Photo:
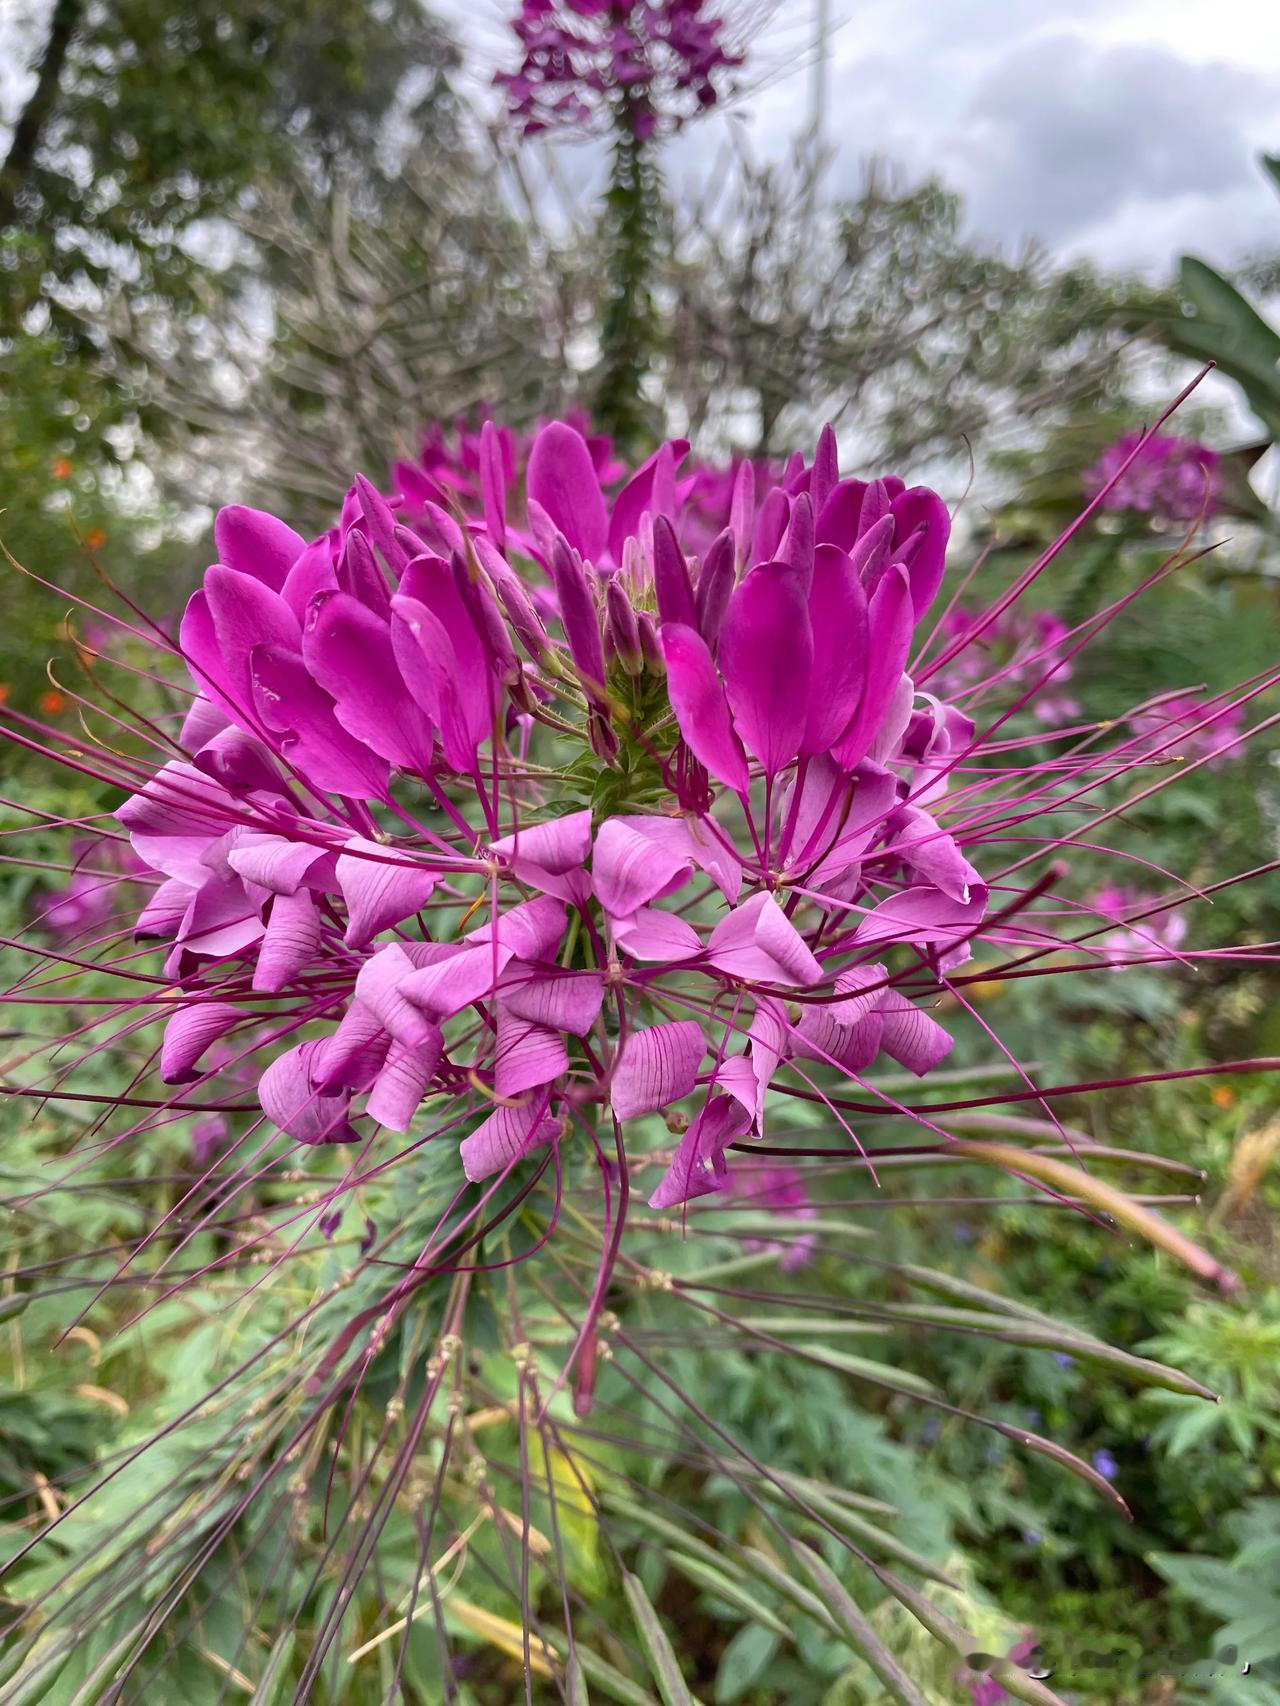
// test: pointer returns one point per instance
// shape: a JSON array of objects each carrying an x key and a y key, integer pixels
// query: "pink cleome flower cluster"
[
  {"x": 589, "y": 63},
  {"x": 544, "y": 817},
  {"x": 1022, "y": 651},
  {"x": 1170, "y": 478}
]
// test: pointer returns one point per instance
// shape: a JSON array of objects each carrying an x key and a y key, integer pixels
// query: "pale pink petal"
[
  {"x": 698, "y": 1167},
  {"x": 565, "y": 1000},
  {"x": 506, "y": 1136},
  {"x": 379, "y": 888},
  {"x": 189, "y": 1033},
  {"x": 658, "y": 1066},
  {"x": 653, "y": 935},
  {"x": 758, "y": 941},
  {"x": 289, "y": 943},
  {"x": 403, "y": 1082},
  {"x": 303, "y": 1113},
  {"x": 527, "y": 1055}
]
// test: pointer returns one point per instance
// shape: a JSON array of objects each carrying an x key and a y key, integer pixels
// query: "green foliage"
[{"x": 1215, "y": 322}]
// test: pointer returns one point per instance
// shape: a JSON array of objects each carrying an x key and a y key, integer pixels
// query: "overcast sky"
[{"x": 1123, "y": 129}]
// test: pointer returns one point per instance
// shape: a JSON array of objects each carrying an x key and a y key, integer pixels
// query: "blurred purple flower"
[{"x": 1171, "y": 478}]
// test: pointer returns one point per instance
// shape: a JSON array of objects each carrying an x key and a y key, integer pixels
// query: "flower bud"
[
  {"x": 622, "y": 629},
  {"x": 715, "y": 585}
]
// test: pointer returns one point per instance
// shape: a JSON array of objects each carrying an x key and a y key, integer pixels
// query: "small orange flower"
[
  {"x": 4, "y": 691},
  {"x": 61, "y": 469},
  {"x": 95, "y": 539},
  {"x": 52, "y": 703},
  {"x": 1222, "y": 1096}
]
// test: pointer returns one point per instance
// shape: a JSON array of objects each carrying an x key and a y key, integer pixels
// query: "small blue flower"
[{"x": 1106, "y": 1464}]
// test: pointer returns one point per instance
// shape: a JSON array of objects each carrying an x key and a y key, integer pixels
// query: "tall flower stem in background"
[
  {"x": 629, "y": 329},
  {"x": 633, "y": 71}
]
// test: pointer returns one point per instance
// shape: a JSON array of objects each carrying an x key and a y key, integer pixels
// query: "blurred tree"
[
  {"x": 879, "y": 312},
  {"x": 198, "y": 208}
]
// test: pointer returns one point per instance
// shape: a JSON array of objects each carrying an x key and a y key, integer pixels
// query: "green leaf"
[
  {"x": 744, "y": 1661},
  {"x": 1011, "y": 1677},
  {"x": 722, "y": 1586},
  {"x": 859, "y": 1633},
  {"x": 661, "y": 1655}
]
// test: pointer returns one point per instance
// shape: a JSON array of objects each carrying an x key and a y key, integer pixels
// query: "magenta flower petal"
[
  {"x": 551, "y": 856},
  {"x": 838, "y": 615},
  {"x": 380, "y": 520},
  {"x": 493, "y": 484},
  {"x": 671, "y": 583},
  {"x": 771, "y": 524},
  {"x": 289, "y": 942},
  {"x": 189, "y": 1033},
  {"x": 758, "y": 941},
  {"x": 506, "y": 1136},
  {"x": 578, "y": 615},
  {"x": 402, "y": 1082},
  {"x": 162, "y": 916},
  {"x": 742, "y": 508},
  {"x": 256, "y": 544},
  {"x": 766, "y": 659},
  {"x": 528, "y": 1055},
  {"x": 379, "y": 889},
  {"x": 650, "y": 934},
  {"x": 658, "y": 1065},
  {"x": 312, "y": 738},
  {"x": 429, "y": 668},
  {"x": 915, "y": 509},
  {"x": 245, "y": 614},
  {"x": 715, "y": 587},
  {"x": 698, "y": 1167},
  {"x": 203, "y": 722},
  {"x": 701, "y": 710},
  {"x": 863, "y": 986},
  {"x": 531, "y": 931},
  {"x": 798, "y": 545},
  {"x": 348, "y": 650},
  {"x": 239, "y": 762},
  {"x": 646, "y": 492},
  {"x": 359, "y": 576},
  {"x": 826, "y": 469},
  {"x": 562, "y": 479},
  {"x": 890, "y": 620},
  {"x": 289, "y": 1101},
  {"x": 839, "y": 517},
  {"x": 820, "y": 1036},
  {"x": 313, "y": 573}
]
